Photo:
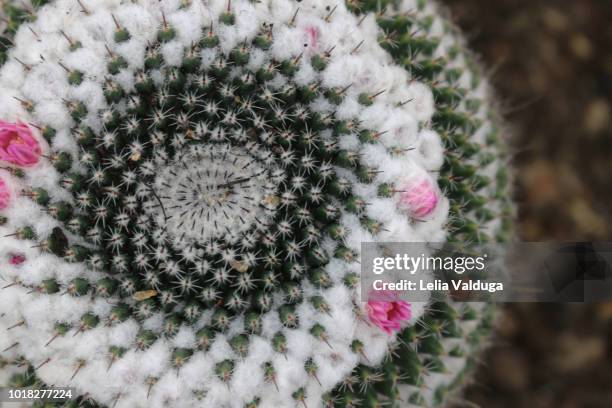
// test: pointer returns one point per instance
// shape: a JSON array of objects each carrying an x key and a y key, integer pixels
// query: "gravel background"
[{"x": 551, "y": 63}]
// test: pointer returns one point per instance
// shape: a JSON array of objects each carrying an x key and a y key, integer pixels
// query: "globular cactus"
[{"x": 186, "y": 185}]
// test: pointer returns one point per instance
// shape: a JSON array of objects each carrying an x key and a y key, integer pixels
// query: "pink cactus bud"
[
  {"x": 419, "y": 197},
  {"x": 17, "y": 259},
  {"x": 311, "y": 35},
  {"x": 18, "y": 145},
  {"x": 387, "y": 312},
  {"x": 5, "y": 195}
]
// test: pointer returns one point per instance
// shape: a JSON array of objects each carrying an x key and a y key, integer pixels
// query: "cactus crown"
[{"x": 215, "y": 186}]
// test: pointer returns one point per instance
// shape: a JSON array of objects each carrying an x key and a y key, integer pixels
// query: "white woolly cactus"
[{"x": 186, "y": 185}]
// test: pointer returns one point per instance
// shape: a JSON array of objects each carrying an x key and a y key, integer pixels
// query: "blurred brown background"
[{"x": 551, "y": 64}]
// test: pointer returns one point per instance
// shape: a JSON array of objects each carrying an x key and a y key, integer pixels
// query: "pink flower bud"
[
  {"x": 17, "y": 259},
  {"x": 311, "y": 35},
  {"x": 17, "y": 144},
  {"x": 419, "y": 197},
  {"x": 387, "y": 312},
  {"x": 5, "y": 195}
]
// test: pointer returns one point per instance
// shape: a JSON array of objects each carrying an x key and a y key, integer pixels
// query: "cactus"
[{"x": 187, "y": 185}]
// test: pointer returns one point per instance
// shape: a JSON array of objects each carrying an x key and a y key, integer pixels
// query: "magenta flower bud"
[
  {"x": 419, "y": 197},
  {"x": 18, "y": 145},
  {"x": 17, "y": 259},
  {"x": 387, "y": 312},
  {"x": 5, "y": 195}
]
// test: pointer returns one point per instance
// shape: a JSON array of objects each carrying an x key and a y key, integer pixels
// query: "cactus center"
[{"x": 213, "y": 191}]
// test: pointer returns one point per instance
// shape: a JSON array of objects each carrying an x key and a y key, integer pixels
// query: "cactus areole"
[{"x": 185, "y": 186}]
